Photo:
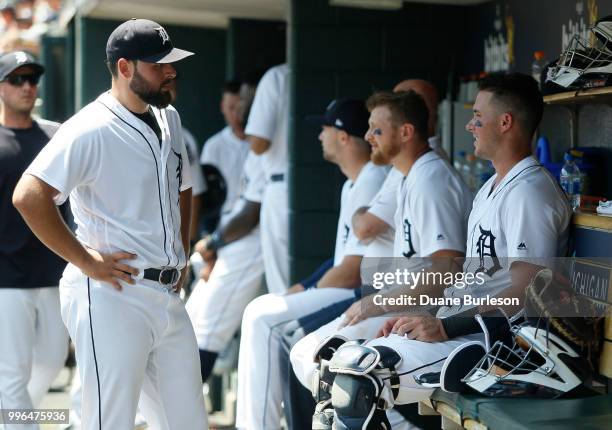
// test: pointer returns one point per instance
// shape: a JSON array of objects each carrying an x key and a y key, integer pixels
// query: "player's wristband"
[
  {"x": 215, "y": 241},
  {"x": 461, "y": 325},
  {"x": 311, "y": 281}
]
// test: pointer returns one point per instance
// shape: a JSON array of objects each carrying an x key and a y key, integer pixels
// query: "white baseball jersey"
[
  {"x": 123, "y": 185},
  {"x": 384, "y": 206},
  {"x": 227, "y": 153},
  {"x": 433, "y": 208},
  {"x": 356, "y": 195},
  {"x": 216, "y": 306},
  {"x": 197, "y": 178},
  {"x": 525, "y": 217},
  {"x": 268, "y": 118},
  {"x": 251, "y": 185},
  {"x": 435, "y": 143}
]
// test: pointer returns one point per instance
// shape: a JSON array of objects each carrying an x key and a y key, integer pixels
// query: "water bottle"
[
  {"x": 468, "y": 172},
  {"x": 459, "y": 161},
  {"x": 571, "y": 181},
  {"x": 482, "y": 173},
  {"x": 538, "y": 65}
]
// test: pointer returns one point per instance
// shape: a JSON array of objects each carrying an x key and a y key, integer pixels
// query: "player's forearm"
[
  {"x": 35, "y": 204},
  {"x": 367, "y": 226},
  {"x": 258, "y": 144},
  {"x": 521, "y": 274},
  {"x": 242, "y": 223},
  {"x": 195, "y": 217},
  {"x": 185, "y": 206},
  {"x": 345, "y": 275}
]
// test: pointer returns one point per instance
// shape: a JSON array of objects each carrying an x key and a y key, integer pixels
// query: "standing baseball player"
[
  {"x": 259, "y": 389},
  {"x": 267, "y": 133},
  {"x": 520, "y": 216},
  {"x": 122, "y": 162},
  {"x": 33, "y": 339}
]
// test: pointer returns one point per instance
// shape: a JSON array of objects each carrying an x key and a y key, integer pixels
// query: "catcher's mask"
[
  {"x": 538, "y": 364},
  {"x": 582, "y": 63}
]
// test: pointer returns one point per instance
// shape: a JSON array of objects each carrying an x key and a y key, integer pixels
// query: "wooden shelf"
[
  {"x": 583, "y": 96},
  {"x": 592, "y": 220}
]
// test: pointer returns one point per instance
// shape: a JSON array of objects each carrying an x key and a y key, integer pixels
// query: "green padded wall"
[
  {"x": 347, "y": 52},
  {"x": 52, "y": 88},
  {"x": 201, "y": 76},
  {"x": 254, "y": 45}
]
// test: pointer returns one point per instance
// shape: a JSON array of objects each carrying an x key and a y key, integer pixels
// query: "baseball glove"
[{"x": 555, "y": 305}]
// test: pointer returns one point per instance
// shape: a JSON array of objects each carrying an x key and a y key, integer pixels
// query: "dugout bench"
[{"x": 592, "y": 237}]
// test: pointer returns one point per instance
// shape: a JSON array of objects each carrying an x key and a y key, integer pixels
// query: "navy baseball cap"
[
  {"x": 143, "y": 40},
  {"x": 345, "y": 114},
  {"x": 11, "y": 61}
]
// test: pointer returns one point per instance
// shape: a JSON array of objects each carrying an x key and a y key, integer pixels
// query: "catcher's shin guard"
[
  {"x": 323, "y": 379},
  {"x": 365, "y": 386}
]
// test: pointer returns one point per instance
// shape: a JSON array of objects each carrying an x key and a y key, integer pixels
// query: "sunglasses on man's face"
[{"x": 19, "y": 80}]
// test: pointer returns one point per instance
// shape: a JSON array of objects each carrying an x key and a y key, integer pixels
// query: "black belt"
[
  {"x": 165, "y": 276},
  {"x": 278, "y": 177}
]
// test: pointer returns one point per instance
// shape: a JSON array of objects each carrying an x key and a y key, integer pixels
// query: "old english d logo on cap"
[{"x": 143, "y": 40}]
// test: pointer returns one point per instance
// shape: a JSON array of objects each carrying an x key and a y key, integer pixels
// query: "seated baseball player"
[
  {"x": 215, "y": 306},
  {"x": 520, "y": 217},
  {"x": 259, "y": 390},
  {"x": 218, "y": 300},
  {"x": 369, "y": 222},
  {"x": 432, "y": 202},
  {"x": 227, "y": 150},
  {"x": 297, "y": 400}
]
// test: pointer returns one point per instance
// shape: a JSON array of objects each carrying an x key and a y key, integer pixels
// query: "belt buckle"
[{"x": 175, "y": 276}]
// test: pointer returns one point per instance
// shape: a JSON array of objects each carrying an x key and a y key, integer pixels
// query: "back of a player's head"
[
  {"x": 232, "y": 86},
  {"x": 424, "y": 88},
  {"x": 405, "y": 107},
  {"x": 517, "y": 94}
]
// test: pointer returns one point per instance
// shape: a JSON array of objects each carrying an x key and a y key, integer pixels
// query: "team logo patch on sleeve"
[
  {"x": 522, "y": 247},
  {"x": 346, "y": 233},
  {"x": 440, "y": 237}
]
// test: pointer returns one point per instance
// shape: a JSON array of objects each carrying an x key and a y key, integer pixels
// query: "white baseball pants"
[
  {"x": 274, "y": 224},
  {"x": 33, "y": 347},
  {"x": 415, "y": 354},
  {"x": 259, "y": 381},
  {"x": 126, "y": 341},
  {"x": 215, "y": 307}
]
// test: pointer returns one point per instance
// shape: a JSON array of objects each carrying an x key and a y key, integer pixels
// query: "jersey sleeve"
[
  {"x": 361, "y": 197},
  {"x": 439, "y": 220},
  {"x": 186, "y": 181},
  {"x": 384, "y": 203},
  {"x": 533, "y": 224},
  {"x": 255, "y": 178},
  {"x": 197, "y": 178},
  {"x": 67, "y": 161},
  {"x": 210, "y": 152},
  {"x": 264, "y": 111}
]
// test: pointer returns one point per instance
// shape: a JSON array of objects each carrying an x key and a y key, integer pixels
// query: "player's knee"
[{"x": 256, "y": 310}]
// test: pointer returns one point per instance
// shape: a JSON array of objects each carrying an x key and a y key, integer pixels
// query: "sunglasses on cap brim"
[{"x": 19, "y": 80}]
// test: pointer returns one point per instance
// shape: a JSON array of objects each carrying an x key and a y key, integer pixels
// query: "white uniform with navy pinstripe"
[{"x": 124, "y": 189}]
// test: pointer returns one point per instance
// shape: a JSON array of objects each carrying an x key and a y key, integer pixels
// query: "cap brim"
[
  {"x": 38, "y": 68},
  {"x": 175, "y": 54}
]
